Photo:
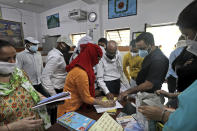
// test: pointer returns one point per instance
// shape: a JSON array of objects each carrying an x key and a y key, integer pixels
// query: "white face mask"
[
  {"x": 103, "y": 49},
  {"x": 134, "y": 54},
  {"x": 181, "y": 43},
  {"x": 192, "y": 45},
  {"x": 7, "y": 68}
]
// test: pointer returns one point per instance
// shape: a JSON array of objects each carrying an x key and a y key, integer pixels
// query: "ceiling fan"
[{"x": 29, "y": 2}]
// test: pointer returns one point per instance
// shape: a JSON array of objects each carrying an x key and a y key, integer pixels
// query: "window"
[
  {"x": 76, "y": 37},
  {"x": 121, "y": 36},
  {"x": 166, "y": 36}
]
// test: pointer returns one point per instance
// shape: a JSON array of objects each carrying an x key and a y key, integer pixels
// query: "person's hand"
[
  {"x": 162, "y": 92},
  {"x": 122, "y": 96},
  {"x": 42, "y": 97},
  {"x": 151, "y": 112},
  {"x": 109, "y": 103},
  {"x": 26, "y": 124},
  {"x": 110, "y": 96}
]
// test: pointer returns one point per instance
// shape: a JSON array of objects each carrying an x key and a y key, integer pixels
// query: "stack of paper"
[
  {"x": 56, "y": 98},
  {"x": 124, "y": 119},
  {"x": 106, "y": 123}
]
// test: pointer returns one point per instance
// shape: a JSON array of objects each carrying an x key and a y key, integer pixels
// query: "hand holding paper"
[{"x": 101, "y": 109}]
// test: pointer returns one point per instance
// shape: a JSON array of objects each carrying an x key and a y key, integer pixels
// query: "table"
[{"x": 91, "y": 113}]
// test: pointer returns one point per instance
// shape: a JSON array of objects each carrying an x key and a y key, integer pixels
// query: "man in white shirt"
[
  {"x": 110, "y": 72},
  {"x": 30, "y": 60},
  {"x": 54, "y": 73}
]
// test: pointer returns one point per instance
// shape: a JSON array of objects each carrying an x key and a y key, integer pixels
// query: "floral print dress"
[{"x": 17, "y": 99}]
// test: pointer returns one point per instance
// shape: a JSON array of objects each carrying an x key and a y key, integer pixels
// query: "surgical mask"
[
  {"x": 143, "y": 53},
  {"x": 33, "y": 48},
  {"x": 181, "y": 43},
  {"x": 192, "y": 45},
  {"x": 7, "y": 68},
  {"x": 134, "y": 54},
  {"x": 102, "y": 48}
]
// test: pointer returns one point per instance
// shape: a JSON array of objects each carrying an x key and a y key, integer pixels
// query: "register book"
[{"x": 55, "y": 98}]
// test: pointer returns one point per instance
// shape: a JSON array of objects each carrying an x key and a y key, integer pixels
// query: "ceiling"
[{"x": 35, "y": 5}]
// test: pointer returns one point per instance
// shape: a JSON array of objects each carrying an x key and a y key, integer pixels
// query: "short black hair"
[
  {"x": 4, "y": 43},
  {"x": 132, "y": 43},
  {"x": 103, "y": 40},
  {"x": 147, "y": 37},
  {"x": 188, "y": 17},
  {"x": 26, "y": 41}
]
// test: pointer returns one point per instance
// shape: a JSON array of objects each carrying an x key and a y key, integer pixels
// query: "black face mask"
[
  {"x": 65, "y": 49},
  {"x": 110, "y": 56}
]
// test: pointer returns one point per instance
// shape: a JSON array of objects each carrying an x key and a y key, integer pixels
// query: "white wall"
[
  {"x": 30, "y": 20},
  {"x": 67, "y": 26},
  {"x": 148, "y": 11}
]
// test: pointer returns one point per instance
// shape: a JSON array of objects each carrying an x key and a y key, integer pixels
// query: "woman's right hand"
[
  {"x": 26, "y": 124},
  {"x": 109, "y": 103},
  {"x": 162, "y": 92}
]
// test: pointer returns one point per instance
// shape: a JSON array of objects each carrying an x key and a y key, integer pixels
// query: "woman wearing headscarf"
[
  {"x": 80, "y": 80},
  {"x": 185, "y": 65},
  {"x": 17, "y": 96}
]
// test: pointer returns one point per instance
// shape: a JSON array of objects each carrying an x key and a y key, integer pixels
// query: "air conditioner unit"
[
  {"x": 90, "y": 1},
  {"x": 77, "y": 14}
]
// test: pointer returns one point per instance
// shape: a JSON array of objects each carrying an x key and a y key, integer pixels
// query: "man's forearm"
[{"x": 142, "y": 87}]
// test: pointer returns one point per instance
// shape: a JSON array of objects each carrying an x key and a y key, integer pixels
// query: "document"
[
  {"x": 101, "y": 109},
  {"x": 55, "y": 98},
  {"x": 106, "y": 123}
]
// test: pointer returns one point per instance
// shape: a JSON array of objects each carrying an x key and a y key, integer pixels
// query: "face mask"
[
  {"x": 7, "y": 68},
  {"x": 102, "y": 48},
  {"x": 143, "y": 53},
  {"x": 65, "y": 49},
  {"x": 192, "y": 45},
  {"x": 134, "y": 54},
  {"x": 181, "y": 43},
  {"x": 33, "y": 48},
  {"x": 110, "y": 56}
]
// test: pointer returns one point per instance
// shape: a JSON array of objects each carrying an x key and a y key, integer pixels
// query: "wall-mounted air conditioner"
[
  {"x": 90, "y": 1},
  {"x": 77, "y": 14}
]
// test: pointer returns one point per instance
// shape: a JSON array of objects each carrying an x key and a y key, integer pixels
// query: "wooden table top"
[{"x": 90, "y": 112}]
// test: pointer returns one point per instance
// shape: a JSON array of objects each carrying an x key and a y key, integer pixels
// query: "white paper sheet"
[{"x": 100, "y": 109}]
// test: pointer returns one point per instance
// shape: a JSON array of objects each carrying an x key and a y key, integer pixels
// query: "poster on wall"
[
  {"x": 11, "y": 31},
  {"x": 121, "y": 8},
  {"x": 53, "y": 21}
]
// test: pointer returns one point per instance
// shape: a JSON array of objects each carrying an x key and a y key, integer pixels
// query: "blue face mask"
[
  {"x": 33, "y": 48},
  {"x": 143, "y": 53}
]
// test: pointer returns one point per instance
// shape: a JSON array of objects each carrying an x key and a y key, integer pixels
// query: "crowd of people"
[{"x": 97, "y": 69}]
